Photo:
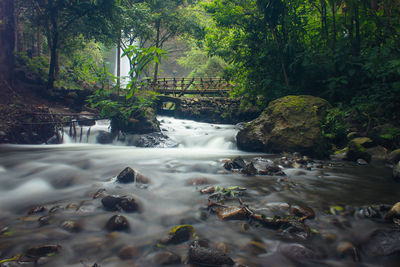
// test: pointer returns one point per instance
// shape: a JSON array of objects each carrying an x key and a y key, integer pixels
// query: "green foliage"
[
  {"x": 136, "y": 101},
  {"x": 335, "y": 126},
  {"x": 36, "y": 67}
]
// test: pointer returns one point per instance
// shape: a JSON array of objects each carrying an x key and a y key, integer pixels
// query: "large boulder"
[
  {"x": 141, "y": 122},
  {"x": 291, "y": 123}
]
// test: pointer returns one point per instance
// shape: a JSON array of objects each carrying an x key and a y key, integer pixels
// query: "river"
[{"x": 64, "y": 178}]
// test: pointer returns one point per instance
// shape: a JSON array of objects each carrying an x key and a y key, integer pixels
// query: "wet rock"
[
  {"x": 378, "y": 154},
  {"x": 44, "y": 220},
  {"x": 104, "y": 137},
  {"x": 396, "y": 172},
  {"x": 382, "y": 243},
  {"x": 42, "y": 251},
  {"x": 296, "y": 230},
  {"x": 208, "y": 190},
  {"x": 129, "y": 204},
  {"x": 166, "y": 258},
  {"x": 256, "y": 247},
  {"x": 128, "y": 252},
  {"x": 235, "y": 164},
  {"x": 298, "y": 252},
  {"x": 345, "y": 248},
  {"x": 357, "y": 151},
  {"x": 113, "y": 203},
  {"x": 126, "y": 176},
  {"x": 369, "y": 212},
  {"x": 37, "y": 209},
  {"x": 232, "y": 213},
  {"x": 199, "y": 181},
  {"x": 178, "y": 235},
  {"x": 393, "y": 213},
  {"x": 361, "y": 162},
  {"x": 55, "y": 209},
  {"x": 117, "y": 223},
  {"x": 72, "y": 226},
  {"x": 303, "y": 211},
  {"x": 394, "y": 156},
  {"x": 99, "y": 193},
  {"x": 273, "y": 169},
  {"x": 141, "y": 179},
  {"x": 208, "y": 257},
  {"x": 250, "y": 169}
]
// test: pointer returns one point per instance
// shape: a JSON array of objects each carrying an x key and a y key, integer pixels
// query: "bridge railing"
[{"x": 182, "y": 86}]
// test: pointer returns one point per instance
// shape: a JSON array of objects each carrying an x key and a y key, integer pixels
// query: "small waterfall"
[
  {"x": 174, "y": 133},
  {"x": 86, "y": 134}
]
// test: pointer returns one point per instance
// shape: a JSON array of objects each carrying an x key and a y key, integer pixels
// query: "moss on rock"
[{"x": 291, "y": 123}]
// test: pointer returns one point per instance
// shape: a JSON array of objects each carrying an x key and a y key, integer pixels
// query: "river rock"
[
  {"x": 207, "y": 256},
  {"x": 42, "y": 251},
  {"x": 356, "y": 151},
  {"x": 378, "y": 153},
  {"x": 303, "y": 211},
  {"x": 298, "y": 252},
  {"x": 128, "y": 252},
  {"x": 393, "y": 213},
  {"x": 345, "y": 248},
  {"x": 394, "y": 156},
  {"x": 104, "y": 137},
  {"x": 141, "y": 122},
  {"x": 250, "y": 169},
  {"x": 291, "y": 123},
  {"x": 166, "y": 258},
  {"x": 117, "y": 223},
  {"x": 396, "y": 172},
  {"x": 126, "y": 176},
  {"x": 38, "y": 209},
  {"x": 179, "y": 235},
  {"x": 235, "y": 164},
  {"x": 113, "y": 203},
  {"x": 382, "y": 243},
  {"x": 232, "y": 213}
]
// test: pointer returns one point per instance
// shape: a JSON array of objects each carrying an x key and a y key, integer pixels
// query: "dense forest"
[
  {"x": 244, "y": 133},
  {"x": 345, "y": 51}
]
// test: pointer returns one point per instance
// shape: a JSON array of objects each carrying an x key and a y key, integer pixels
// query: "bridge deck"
[{"x": 182, "y": 86}]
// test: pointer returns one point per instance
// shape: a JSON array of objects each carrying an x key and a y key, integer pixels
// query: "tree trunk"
[
  {"x": 333, "y": 6},
  {"x": 39, "y": 42},
  {"x": 7, "y": 39},
  {"x": 119, "y": 64},
  {"x": 54, "y": 35},
  {"x": 357, "y": 45},
  {"x": 280, "y": 57},
  {"x": 158, "y": 24}
]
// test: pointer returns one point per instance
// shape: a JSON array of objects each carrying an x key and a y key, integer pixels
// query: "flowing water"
[{"x": 63, "y": 178}]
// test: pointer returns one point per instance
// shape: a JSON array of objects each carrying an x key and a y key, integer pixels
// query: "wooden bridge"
[{"x": 188, "y": 86}]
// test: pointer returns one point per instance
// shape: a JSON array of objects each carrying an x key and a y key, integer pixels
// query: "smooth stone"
[
  {"x": 394, "y": 156},
  {"x": 250, "y": 169},
  {"x": 232, "y": 213},
  {"x": 37, "y": 209},
  {"x": 126, "y": 176},
  {"x": 303, "y": 211},
  {"x": 208, "y": 257},
  {"x": 128, "y": 252},
  {"x": 393, "y": 213},
  {"x": 181, "y": 235},
  {"x": 345, "y": 248},
  {"x": 382, "y": 243},
  {"x": 117, "y": 223},
  {"x": 298, "y": 252},
  {"x": 166, "y": 258},
  {"x": 42, "y": 251}
]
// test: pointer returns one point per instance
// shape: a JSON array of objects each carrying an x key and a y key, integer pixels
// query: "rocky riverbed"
[{"x": 203, "y": 203}]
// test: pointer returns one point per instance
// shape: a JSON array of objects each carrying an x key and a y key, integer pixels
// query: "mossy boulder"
[
  {"x": 142, "y": 121},
  {"x": 356, "y": 151},
  {"x": 291, "y": 123}
]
